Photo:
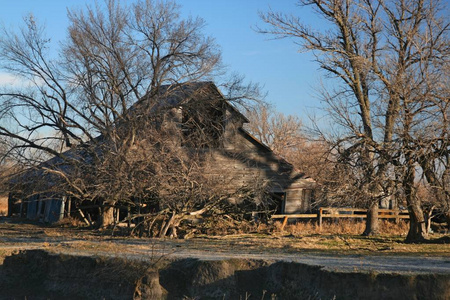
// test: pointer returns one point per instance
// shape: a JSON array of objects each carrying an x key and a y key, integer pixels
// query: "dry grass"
[
  {"x": 3, "y": 206},
  {"x": 342, "y": 226}
]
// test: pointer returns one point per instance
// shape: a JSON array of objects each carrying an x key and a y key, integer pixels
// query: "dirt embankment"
[{"x": 37, "y": 274}]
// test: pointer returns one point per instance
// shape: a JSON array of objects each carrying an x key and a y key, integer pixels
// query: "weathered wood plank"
[
  {"x": 343, "y": 216},
  {"x": 294, "y": 216},
  {"x": 343, "y": 209}
]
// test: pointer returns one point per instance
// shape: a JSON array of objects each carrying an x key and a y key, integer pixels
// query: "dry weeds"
[{"x": 342, "y": 226}]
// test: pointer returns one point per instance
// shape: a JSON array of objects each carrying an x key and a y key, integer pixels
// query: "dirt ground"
[{"x": 351, "y": 253}]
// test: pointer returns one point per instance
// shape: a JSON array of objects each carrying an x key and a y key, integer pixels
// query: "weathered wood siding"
[
  {"x": 299, "y": 201},
  {"x": 245, "y": 160}
]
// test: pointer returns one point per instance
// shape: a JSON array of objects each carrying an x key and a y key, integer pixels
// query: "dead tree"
[
  {"x": 94, "y": 109},
  {"x": 382, "y": 55}
]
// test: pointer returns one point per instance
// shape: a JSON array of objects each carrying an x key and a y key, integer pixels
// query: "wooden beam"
[{"x": 294, "y": 216}]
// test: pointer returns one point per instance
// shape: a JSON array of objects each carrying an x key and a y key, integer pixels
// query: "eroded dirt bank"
[{"x": 37, "y": 274}]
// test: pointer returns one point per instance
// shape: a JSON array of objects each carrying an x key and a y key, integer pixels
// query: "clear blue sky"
[{"x": 288, "y": 77}]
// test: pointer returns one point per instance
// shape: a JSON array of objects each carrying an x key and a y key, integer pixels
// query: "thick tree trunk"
[
  {"x": 372, "y": 224},
  {"x": 417, "y": 229},
  {"x": 417, "y": 226},
  {"x": 106, "y": 217},
  {"x": 428, "y": 218}
]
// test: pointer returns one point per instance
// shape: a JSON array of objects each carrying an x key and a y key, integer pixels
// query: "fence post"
[
  {"x": 129, "y": 216},
  {"x": 320, "y": 218},
  {"x": 397, "y": 219},
  {"x": 284, "y": 222}
]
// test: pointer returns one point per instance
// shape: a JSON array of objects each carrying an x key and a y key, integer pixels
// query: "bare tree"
[
  {"x": 411, "y": 71},
  {"x": 434, "y": 156},
  {"x": 283, "y": 134},
  {"x": 287, "y": 137},
  {"x": 104, "y": 100},
  {"x": 341, "y": 55},
  {"x": 382, "y": 55}
]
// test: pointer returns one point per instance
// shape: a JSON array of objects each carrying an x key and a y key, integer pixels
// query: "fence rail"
[{"x": 334, "y": 212}]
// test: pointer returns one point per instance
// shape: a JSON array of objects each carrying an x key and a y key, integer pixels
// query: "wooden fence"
[{"x": 334, "y": 212}]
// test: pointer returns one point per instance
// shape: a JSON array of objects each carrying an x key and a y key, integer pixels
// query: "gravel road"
[{"x": 153, "y": 249}]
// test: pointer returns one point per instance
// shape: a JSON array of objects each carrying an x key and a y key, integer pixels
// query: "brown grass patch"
[
  {"x": 3, "y": 206},
  {"x": 341, "y": 226}
]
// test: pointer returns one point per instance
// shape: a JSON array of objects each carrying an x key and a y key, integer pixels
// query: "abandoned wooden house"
[{"x": 234, "y": 150}]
